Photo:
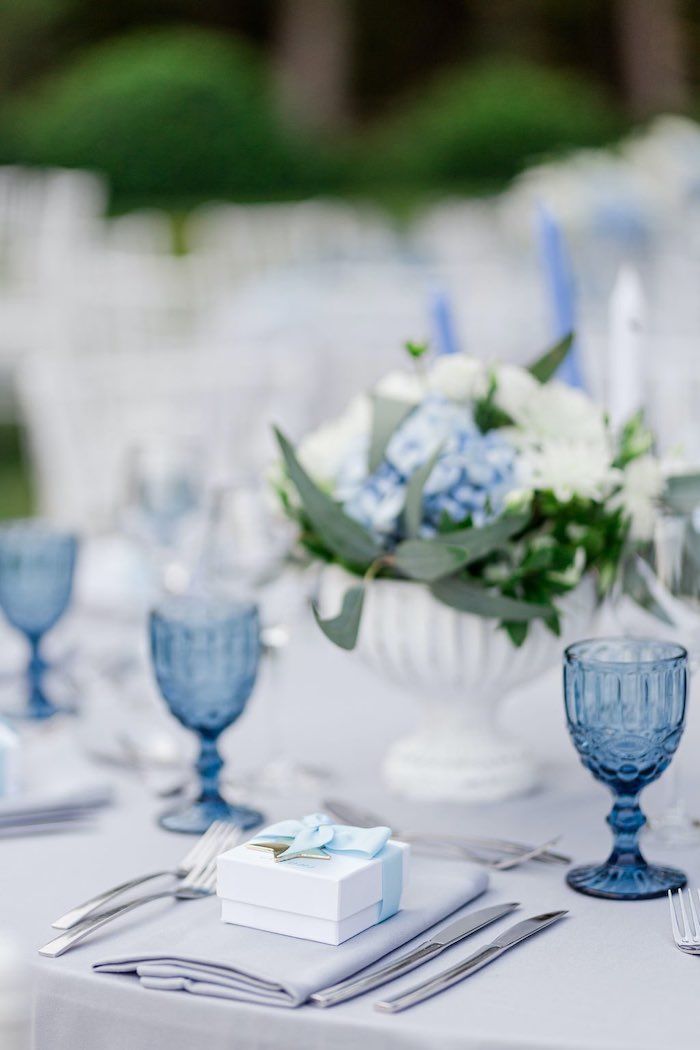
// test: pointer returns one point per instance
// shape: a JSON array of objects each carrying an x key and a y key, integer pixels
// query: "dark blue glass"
[
  {"x": 206, "y": 653},
  {"x": 36, "y": 580},
  {"x": 625, "y": 705}
]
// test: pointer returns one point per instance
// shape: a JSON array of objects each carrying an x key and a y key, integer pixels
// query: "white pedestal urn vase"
[{"x": 463, "y": 666}]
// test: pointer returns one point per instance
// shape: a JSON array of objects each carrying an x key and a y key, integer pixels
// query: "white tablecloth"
[{"x": 607, "y": 978}]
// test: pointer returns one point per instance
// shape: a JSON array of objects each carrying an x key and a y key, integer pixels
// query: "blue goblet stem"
[
  {"x": 39, "y": 705},
  {"x": 626, "y": 821},
  {"x": 209, "y": 766}
]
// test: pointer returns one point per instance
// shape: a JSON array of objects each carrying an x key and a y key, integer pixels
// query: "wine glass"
[
  {"x": 164, "y": 502},
  {"x": 37, "y": 563},
  {"x": 676, "y": 549},
  {"x": 206, "y": 652},
  {"x": 246, "y": 549},
  {"x": 625, "y": 706}
]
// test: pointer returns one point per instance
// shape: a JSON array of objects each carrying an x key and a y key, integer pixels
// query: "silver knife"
[
  {"x": 512, "y": 936},
  {"x": 452, "y": 934}
]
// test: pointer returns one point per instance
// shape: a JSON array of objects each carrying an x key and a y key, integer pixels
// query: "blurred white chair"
[
  {"x": 85, "y": 413},
  {"x": 47, "y": 219},
  {"x": 145, "y": 232},
  {"x": 241, "y": 242}
]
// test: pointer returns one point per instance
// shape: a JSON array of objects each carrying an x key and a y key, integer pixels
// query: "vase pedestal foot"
[{"x": 459, "y": 766}]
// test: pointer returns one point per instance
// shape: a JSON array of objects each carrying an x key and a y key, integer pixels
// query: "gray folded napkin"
[{"x": 188, "y": 948}]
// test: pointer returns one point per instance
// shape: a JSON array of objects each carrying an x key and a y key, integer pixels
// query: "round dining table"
[{"x": 607, "y": 977}]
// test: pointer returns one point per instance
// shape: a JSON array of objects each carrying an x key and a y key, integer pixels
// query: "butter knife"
[
  {"x": 512, "y": 936},
  {"x": 452, "y": 934}
]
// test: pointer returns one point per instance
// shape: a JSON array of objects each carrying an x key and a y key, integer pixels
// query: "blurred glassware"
[
  {"x": 677, "y": 568},
  {"x": 206, "y": 652},
  {"x": 625, "y": 701},
  {"x": 246, "y": 550},
  {"x": 164, "y": 504},
  {"x": 37, "y": 562}
]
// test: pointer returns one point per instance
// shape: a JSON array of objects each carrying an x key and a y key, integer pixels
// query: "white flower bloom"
[
  {"x": 642, "y": 484},
  {"x": 326, "y": 451},
  {"x": 459, "y": 377},
  {"x": 570, "y": 468},
  {"x": 514, "y": 388},
  {"x": 559, "y": 412},
  {"x": 402, "y": 386}
]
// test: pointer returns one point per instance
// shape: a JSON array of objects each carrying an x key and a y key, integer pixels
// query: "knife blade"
[
  {"x": 445, "y": 938},
  {"x": 512, "y": 936}
]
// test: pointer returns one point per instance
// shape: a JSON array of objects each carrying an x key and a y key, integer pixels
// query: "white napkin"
[{"x": 189, "y": 949}]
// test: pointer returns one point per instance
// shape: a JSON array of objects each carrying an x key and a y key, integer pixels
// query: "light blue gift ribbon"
[{"x": 317, "y": 831}]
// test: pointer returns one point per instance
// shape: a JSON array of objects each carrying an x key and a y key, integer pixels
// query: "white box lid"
[{"x": 327, "y": 889}]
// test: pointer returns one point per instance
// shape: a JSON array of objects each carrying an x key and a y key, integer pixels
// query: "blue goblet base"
[
  {"x": 620, "y": 882},
  {"x": 198, "y": 816}
]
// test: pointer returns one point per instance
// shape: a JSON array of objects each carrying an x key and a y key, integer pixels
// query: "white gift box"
[
  {"x": 326, "y": 900},
  {"x": 10, "y": 761}
]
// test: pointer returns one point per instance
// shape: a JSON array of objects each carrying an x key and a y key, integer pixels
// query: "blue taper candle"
[{"x": 559, "y": 279}]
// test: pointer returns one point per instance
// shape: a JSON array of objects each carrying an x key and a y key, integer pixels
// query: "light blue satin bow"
[{"x": 317, "y": 831}]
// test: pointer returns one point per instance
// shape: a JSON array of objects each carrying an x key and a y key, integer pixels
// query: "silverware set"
[
  {"x": 195, "y": 875},
  {"x": 497, "y": 854},
  {"x": 445, "y": 938},
  {"x": 51, "y": 816}
]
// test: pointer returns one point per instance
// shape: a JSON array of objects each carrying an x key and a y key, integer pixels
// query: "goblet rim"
[
  {"x": 39, "y": 527},
  {"x": 674, "y": 655},
  {"x": 214, "y": 609}
]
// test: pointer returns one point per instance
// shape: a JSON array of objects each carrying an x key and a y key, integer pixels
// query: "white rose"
[
  {"x": 559, "y": 412},
  {"x": 402, "y": 386},
  {"x": 514, "y": 388},
  {"x": 324, "y": 452},
  {"x": 642, "y": 484},
  {"x": 569, "y": 468},
  {"x": 458, "y": 377}
]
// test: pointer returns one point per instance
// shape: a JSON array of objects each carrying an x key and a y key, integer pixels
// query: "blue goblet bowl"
[
  {"x": 36, "y": 574},
  {"x": 625, "y": 706},
  {"x": 37, "y": 564},
  {"x": 206, "y": 653}
]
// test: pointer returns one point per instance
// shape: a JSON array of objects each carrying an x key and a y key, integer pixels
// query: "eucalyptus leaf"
[
  {"x": 682, "y": 493},
  {"x": 544, "y": 367},
  {"x": 478, "y": 542},
  {"x": 387, "y": 415},
  {"x": 427, "y": 561},
  {"x": 344, "y": 628},
  {"x": 346, "y": 538},
  {"x": 471, "y": 597},
  {"x": 413, "y": 506}
]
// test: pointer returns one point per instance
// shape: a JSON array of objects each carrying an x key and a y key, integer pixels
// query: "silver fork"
[
  {"x": 201, "y": 882},
  {"x": 456, "y": 846},
  {"x": 685, "y": 924},
  {"x": 203, "y": 849}
]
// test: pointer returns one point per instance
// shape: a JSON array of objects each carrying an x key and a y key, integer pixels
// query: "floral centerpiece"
[{"x": 488, "y": 500}]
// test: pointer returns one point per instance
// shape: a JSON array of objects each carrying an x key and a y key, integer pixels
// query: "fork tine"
[
  {"x": 674, "y": 921},
  {"x": 696, "y": 922},
  {"x": 202, "y": 844},
  {"x": 205, "y": 868},
  {"x": 683, "y": 916}
]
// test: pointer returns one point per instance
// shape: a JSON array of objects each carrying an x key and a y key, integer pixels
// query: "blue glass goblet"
[
  {"x": 206, "y": 652},
  {"x": 625, "y": 706},
  {"x": 36, "y": 580}
]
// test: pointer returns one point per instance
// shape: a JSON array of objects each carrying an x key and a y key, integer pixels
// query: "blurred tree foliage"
[
  {"x": 170, "y": 112},
  {"x": 485, "y": 123},
  {"x": 179, "y": 112}
]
